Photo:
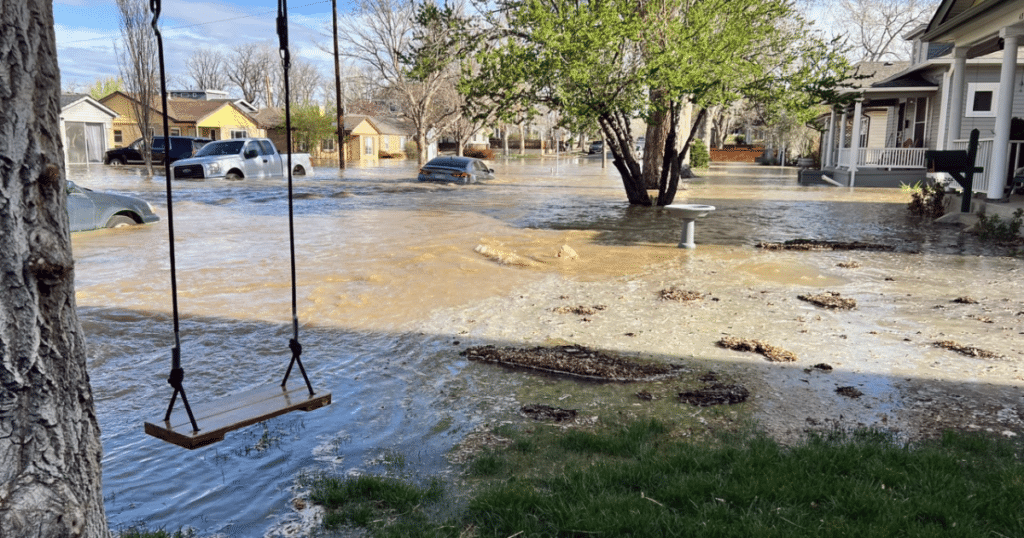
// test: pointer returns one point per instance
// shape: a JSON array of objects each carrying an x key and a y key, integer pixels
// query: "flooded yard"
[{"x": 397, "y": 278}]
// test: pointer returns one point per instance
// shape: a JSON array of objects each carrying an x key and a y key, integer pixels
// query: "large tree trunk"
[
  {"x": 654, "y": 147},
  {"x": 50, "y": 449}
]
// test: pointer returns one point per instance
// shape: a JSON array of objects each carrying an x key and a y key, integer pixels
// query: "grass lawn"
[{"x": 640, "y": 479}]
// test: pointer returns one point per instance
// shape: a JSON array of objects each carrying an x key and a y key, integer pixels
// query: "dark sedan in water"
[
  {"x": 456, "y": 170},
  {"x": 88, "y": 209}
]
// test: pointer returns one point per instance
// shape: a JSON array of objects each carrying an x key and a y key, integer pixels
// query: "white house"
[
  {"x": 85, "y": 126},
  {"x": 965, "y": 74}
]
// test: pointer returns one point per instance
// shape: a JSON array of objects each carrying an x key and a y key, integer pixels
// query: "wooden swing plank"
[{"x": 234, "y": 412}]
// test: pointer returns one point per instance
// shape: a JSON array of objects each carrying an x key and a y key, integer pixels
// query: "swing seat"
[{"x": 234, "y": 412}]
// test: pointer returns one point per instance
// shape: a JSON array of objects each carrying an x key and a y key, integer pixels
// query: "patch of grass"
[
  {"x": 364, "y": 500},
  {"x": 638, "y": 478}
]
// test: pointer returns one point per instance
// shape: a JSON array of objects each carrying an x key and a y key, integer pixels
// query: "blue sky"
[{"x": 87, "y": 31}]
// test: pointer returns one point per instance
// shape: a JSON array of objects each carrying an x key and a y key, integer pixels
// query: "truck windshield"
[{"x": 227, "y": 147}]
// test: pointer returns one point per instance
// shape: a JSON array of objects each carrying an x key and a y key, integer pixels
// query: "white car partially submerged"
[{"x": 240, "y": 158}]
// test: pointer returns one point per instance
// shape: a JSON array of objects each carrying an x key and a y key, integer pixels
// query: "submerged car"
[
  {"x": 456, "y": 170},
  {"x": 596, "y": 147},
  {"x": 89, "y": 210},
  {"x": 181, "y": 147}
]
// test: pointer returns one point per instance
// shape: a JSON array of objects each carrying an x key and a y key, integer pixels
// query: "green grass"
[{"x": 639, "y": 479}]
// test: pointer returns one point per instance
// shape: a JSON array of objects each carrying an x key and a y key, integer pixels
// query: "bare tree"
[
  {"x": 137, "y": 58},
  {"x": 380, "y": 35},
  {"x": 876, "y": 27},
  {"x": 250, "y": 67},
  {"x": 50, "y": 452},
  {"x": 206, "y": 68},
  {"x": 306, "y": 82}
]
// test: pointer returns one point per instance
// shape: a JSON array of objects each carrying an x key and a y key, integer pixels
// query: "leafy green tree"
[
  {"x": 310, "y": 125},
  {"x": 104, "y": 86},
  {"x": 608, "y": 61}
]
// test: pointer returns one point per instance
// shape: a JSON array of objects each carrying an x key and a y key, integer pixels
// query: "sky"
[{"x": 87, "y": 33}]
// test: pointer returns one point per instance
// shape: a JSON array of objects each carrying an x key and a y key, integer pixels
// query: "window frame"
[{"x": 972, "y": 90}]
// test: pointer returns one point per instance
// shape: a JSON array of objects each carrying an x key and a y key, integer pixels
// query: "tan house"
[{"x": 214, "y": 119}]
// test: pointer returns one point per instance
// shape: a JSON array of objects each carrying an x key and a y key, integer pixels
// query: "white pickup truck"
[{"x": 239, "y": 158}]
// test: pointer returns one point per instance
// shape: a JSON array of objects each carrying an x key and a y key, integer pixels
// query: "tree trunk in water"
[
  {"x": 522, "y": 139},
  {"x": 50, "y": 449},
  {"x": 654, "y": 146},
  {"x": 421, "y": 142}
]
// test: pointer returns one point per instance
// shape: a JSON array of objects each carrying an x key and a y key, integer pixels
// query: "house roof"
[
  {"x": 954, "y": 15},
  {"x": 912, "y": 80},
  {"x": 876, "y": 72},
  {"x": 186, "y": 110},
  {"x": 70, "y": 99}
]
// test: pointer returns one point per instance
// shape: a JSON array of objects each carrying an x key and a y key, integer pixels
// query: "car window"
[
  {"x": 267, "y": 146},
  {"x": 227, "y": 147},
  {"x": 158, "y": 143}
]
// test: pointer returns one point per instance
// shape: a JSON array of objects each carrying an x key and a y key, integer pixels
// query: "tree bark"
[{"x": 50, "y": 449}]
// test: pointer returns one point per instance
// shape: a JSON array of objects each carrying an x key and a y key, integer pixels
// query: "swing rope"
[{"x": 177, "y": 374}]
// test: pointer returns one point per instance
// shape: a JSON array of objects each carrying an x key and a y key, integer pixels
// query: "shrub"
[
  {"x": 998, "y": 230},
  {"x": 927, "y": 200},
  {"x": 485, "y": 154},
  {"x": 699, "y": 156},
  {"x": 740, "y": 140}
]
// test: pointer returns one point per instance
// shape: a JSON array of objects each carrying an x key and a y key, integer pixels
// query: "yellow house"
[
  {"x": 214, "y": 119},
  {"x": 362, "y": 141}
]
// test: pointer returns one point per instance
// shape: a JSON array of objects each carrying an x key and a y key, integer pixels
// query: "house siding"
[{"x": 986, "y": 126}]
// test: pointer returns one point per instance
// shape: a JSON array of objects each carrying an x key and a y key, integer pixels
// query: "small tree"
[
  {"x": 137, "y": 58},
  {"x": 699, "y": 155},
  {"x": 104, "y": 86},
  {"x": 310, "y": 126}
]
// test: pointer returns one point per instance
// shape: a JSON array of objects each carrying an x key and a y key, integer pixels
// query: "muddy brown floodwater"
[{"x": 397, "y": 279}]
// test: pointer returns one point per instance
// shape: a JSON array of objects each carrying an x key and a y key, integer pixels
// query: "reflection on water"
[{"x": 378, "y": 254}]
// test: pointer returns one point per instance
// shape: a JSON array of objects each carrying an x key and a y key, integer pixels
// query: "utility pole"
[{"x": 337, "y": 92}]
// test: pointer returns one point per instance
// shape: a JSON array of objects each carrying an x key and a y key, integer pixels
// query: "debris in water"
[
  {"x": 850, "y": 392},
  {"x": 848, "y": 265},
  {"x": 645, "y": 395},
  {"x": 813, "y": 244},
  {"x": 717, "y": 394},
  {"x": 504, "y": 258},
  {"x": 580, "y": 310},
  {"x": 829, "y": 299},
  {"x": 546, "y": 412},
  {"x": 820, "y": 366},
  {"x": 965, "y": 300},
  {"x": 676, "y": 294},
  {"x": 568, "y": 253},
  {"x": 970, "y": 351},
  {"x": 772, "y": 353},
  {"x": 575, "y": 361}
]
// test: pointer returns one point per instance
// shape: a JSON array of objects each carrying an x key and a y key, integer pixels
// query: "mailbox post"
[{"x": 959, "y": 164}]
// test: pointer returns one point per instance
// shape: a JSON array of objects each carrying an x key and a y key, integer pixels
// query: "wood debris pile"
[
  {"x": 772, "y": 353},
  {"x": 813, "y": 244},
  {"x": 829, "y": 299},
  {"x": 576, "y": 361},
  {"x": 676, "y": 294}
]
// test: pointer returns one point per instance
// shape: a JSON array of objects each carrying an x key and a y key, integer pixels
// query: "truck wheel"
[
  {"x": 232, "y": 176},
  {"x": 120, "y": 221},
  {"x": 299, "y": 170},
  {"x": 116, "y": 161}
]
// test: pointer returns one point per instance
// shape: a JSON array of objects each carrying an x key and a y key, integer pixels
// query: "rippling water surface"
[{"x": 378, "y": 254}]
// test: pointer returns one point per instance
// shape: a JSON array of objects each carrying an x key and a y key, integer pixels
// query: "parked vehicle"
[
  {"x": 181, "y": 147},
  {"x": 641, "y": 142},
  {"x": 456, "y": 170},
  {"x": 596, "y": 147},
  {"x": 89, "y": 210},
  {"x": 239, "y": 158}
]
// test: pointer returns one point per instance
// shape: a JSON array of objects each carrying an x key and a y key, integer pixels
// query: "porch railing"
[
  {"x": 981, "y": 181},
  {"x": 902, "y": 158}
]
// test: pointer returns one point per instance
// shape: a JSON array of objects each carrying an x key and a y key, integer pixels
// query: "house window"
[
  {"x": 368, "y": 145},
  {"x": 239, "y": 133},
  {"x": 175, "y": 131},
  {"x": 981, "y": 99},
  {"x": 327, "y": 144},
  {"x": 387, "y": 143},
  {"x": 118, "y": 137}
]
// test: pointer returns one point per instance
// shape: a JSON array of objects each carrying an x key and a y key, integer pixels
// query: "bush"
[
  {"x": 740, "y": 140},
  {"x": 485, "y": 154},
  {"x": 928, "y": 200},
  {"x": 699, "y": 156},
  {"x": 1002, "y": 231}
]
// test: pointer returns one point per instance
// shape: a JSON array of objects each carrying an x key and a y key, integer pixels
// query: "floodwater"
[{"x": 395, "y": 278}]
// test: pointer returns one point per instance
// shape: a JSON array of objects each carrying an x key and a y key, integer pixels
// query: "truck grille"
[{"x": 192, "y": 171}]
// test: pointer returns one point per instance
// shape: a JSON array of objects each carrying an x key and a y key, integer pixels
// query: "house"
[
  {"x": 85, "y": 128},
  {"x": 214, "y": 119},
  {"x": 961, "y": 77}
]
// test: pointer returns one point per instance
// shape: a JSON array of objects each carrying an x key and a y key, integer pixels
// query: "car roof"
[{"x": 451, "y": 161}]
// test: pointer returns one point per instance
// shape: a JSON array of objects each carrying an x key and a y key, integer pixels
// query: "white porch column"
[
  {"x": 1004, "y": 111},
  {"x": 842, "y": 138},
  {"x": 855, "y": 139},
  {"x": 956, "y": 95},
  {"x": 827, "y": 159}
]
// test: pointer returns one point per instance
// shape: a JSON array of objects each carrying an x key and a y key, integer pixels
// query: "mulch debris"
[
  {"x": 849, "y": 392},
  {"x": 772, "y": 353},
  {"x": 814, "y": 244},
  {"x": 965, "y": 300},
  {"x": 548, "y": 413},
  {"x": 576, "y": 361},
  {"x": 676, "y": 294},
  {"x": 580, "y": 310},
  {"x": 716, "y": 394},
  {"x": 829, "y": 299},
  {"x": 820, "y": 366},
  {"x": 970, "y": 351}
]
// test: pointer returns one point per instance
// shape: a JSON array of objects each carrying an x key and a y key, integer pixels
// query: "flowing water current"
[{"x": 396, "y": 277}]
